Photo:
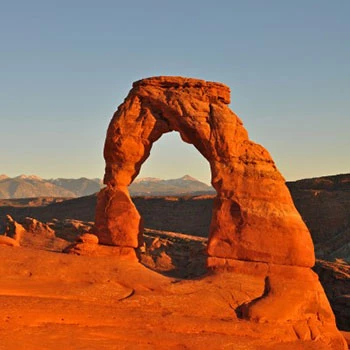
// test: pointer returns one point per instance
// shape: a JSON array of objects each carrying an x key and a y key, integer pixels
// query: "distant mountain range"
[
  {"x": 158, "y": 187},
  {"x": 29, "y": 186}
]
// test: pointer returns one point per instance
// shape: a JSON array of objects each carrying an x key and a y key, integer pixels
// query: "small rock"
[
  {"x": 87, "y": 238},
  {"x": 5, "y": 240},
  {"x": 38, "y": 228},
  {"x": 80, "y": 249},
  {"x": 11, "y": 228}
]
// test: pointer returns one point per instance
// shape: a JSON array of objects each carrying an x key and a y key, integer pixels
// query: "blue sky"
[{"x": 67, "y": 65}]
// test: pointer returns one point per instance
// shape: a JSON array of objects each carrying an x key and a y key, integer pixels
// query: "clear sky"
[{"x": 65, "y": 66}]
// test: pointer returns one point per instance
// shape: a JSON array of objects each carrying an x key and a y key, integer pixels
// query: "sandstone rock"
[
  {"x": 254, "y": 218},
  {"x": 80, "y": 248},
  {"x": 87, "y": 238},
  {"x": 9, "y": 227},
  {"x": 70, "y": 229},
  {"x": 324, "y": 204},
  {"x": 8, "y": 241},
  {"x": 38, "y": 228},
  {"x": 117, "y": 219},
  {"x": 288, "y": 295},
  {"x": 85, "y": 244},
  {"x": 176, "y": 255},
  {"x": 76, "y": 226},
  {"x": 92, "y": 249},
  {"x": 335, "y": 279},
  {"x": 255, "y": 230}
]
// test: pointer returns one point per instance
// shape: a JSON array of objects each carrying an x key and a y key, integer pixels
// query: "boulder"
[
  {"x": 38, "y": 228},
  {"x": 87, "y": 238},
  {"x": 8, "y": 241},
  {"x": 11, "y": 228}
]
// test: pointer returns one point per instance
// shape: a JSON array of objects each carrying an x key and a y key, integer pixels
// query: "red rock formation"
[
  {"x": 37, "y": 228},
  {"x": 8, "y": 241},
  {"x": 254, "y": 218},
  {"x": 12, "y": 229},
  {"x": 324, "y": 204},
  {"x": 335, "y": 278}
]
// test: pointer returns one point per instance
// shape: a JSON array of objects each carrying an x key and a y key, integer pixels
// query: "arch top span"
[
  {"x": 254, "y": 218},
  {"x": 213, "y": 89}
]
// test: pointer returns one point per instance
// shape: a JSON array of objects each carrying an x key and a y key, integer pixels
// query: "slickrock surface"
[
  {"x": 62, "y": 301},
  {"x": 254, "y": 218}
]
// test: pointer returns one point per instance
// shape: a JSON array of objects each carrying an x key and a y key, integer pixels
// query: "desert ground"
[
  {"x": 52, "y": 300},
  {"x": 164, "y": 298}
]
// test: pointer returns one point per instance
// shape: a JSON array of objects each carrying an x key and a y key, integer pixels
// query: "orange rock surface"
[
  {"x": 257, "y": 238},
  {"x": 12, "y": 229},
  {"x": 254, "y": 218},
  {"x": 64, "y": 301}
]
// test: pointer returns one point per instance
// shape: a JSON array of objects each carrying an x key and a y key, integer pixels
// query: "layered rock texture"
[
  {"x": 335, "y": 279},
  {"x": 255, "y": 230},
  {"x": 11, "y": 232},
  {"x": 254, "y": 218}
]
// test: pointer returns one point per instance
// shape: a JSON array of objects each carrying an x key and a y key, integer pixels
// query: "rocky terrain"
[
  {"x": 94, "y": 299},
  {"x": 335, "y": 279},
  {"x": 250, "y": 281},
  {"x": 183, "y": 258},
  {"x": 324, "y": 204},
  {"x": 189, "y": 215},
  {"x": 326, "y": 211}
]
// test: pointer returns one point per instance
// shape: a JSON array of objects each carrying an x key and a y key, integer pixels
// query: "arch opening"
[{"x": 175, "y": 201}]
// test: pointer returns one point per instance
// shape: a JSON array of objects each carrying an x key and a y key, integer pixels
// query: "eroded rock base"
[
  {"x": 109, "y": 303},
  {"x": 288, "y": 295}
]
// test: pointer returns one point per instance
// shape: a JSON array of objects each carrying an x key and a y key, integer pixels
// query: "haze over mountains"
[
  {"x": 29, "y": 186},
  {"x": 183, "y": 185}
]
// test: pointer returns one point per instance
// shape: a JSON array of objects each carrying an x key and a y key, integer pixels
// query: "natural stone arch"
[{"x": 254, "y": 218}]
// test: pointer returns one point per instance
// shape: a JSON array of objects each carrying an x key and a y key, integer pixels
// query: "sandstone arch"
[{"x": 254, "y": 218}]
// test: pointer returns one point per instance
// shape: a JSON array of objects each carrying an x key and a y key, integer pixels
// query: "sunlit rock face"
[{"x": 254, "y": 218}]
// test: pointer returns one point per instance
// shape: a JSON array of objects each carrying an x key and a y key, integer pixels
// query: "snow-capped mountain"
[
  {"x": 159, "y": 187},
  {"x": 29, "y": 177},
  {"x": 29, "y": 186},
  {"x": 147, "y": 180}
]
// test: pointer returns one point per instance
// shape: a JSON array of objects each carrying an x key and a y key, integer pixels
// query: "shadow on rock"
[{"x": 174, "y": 255}]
